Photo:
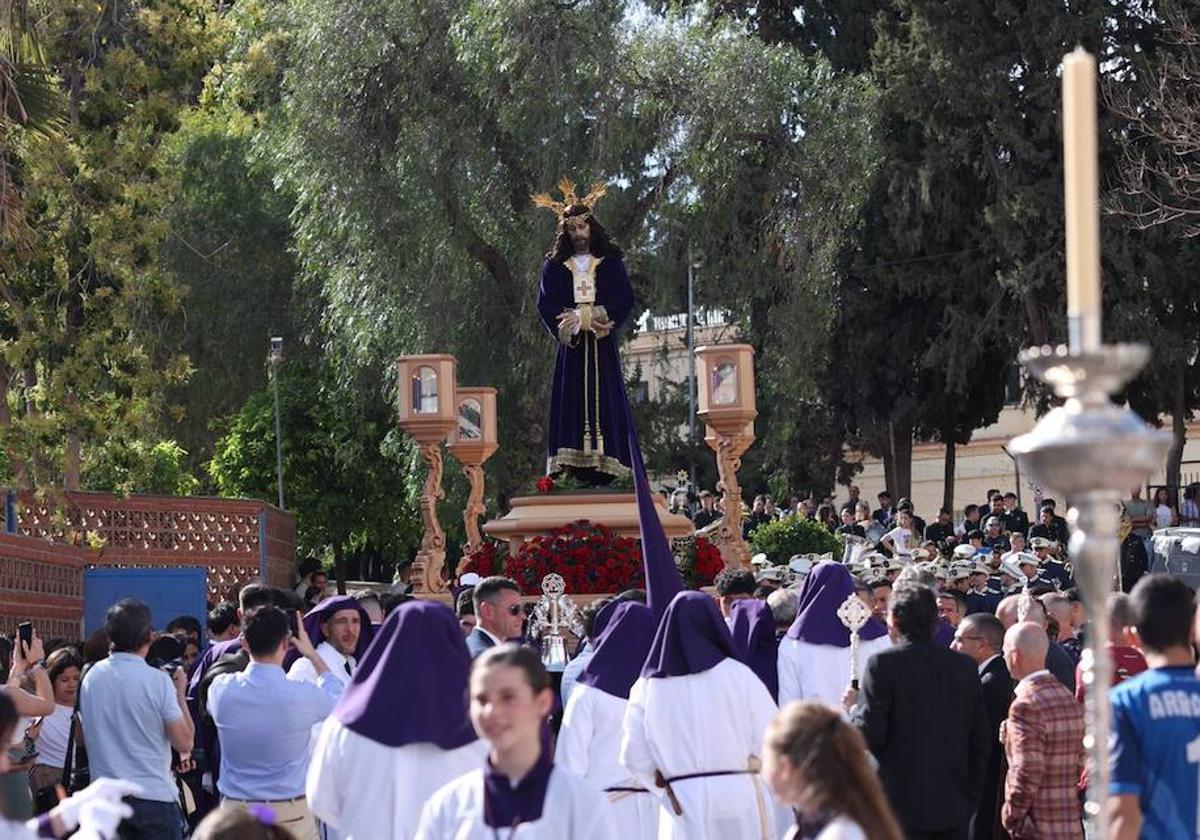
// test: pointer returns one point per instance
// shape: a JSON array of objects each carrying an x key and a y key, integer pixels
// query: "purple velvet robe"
[{"x": 565, "y": 443}]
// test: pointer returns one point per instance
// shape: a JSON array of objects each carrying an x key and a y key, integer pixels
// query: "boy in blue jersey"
[{"x": 1155, "y": 759}]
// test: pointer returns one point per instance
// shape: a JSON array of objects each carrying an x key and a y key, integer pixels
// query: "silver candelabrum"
[
  {"x": 554, "y": 613},
  {"x": 1092, "y": 451}
]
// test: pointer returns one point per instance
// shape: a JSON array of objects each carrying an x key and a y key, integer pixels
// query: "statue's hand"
[
  {"x": 602, "y": 328},
  {"x": 570, "y": 320}
]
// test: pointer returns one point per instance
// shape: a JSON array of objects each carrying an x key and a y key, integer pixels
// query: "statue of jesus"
[{"x": 584, "y": 299}]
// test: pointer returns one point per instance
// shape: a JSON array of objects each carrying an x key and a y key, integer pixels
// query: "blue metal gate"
[{"x": 169, "y": 592}]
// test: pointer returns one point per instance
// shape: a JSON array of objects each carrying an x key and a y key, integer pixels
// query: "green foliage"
[
  {"x": 139, "y": 467},
  {"x": 349, "y": 478},
  {"x": 791, "y": 535},
  {"x": 230, "y": 249},
  {"x": 412, "y": 134},
  {"x": 89, "y": 307}
]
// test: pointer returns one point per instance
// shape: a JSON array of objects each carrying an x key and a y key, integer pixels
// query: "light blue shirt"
[
  {"x": 126, "y": 706},
  {"x": 264, "y": 722}
]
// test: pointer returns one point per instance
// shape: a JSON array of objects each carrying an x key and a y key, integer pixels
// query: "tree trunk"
[
  {"x": 1179, "y": 431},
  {"x": 948, "y": 472},
  {"x": 71, "y": 464},
  {"x": 339, "y": 566},
  {"x": 889, "y": 471},
  {"x": 900, "y": 445}
]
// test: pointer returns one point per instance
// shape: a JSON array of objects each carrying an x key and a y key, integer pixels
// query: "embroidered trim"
[{"x": 596, "y": 460}]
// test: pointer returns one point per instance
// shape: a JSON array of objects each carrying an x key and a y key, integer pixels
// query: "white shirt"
[
  {"x": 366, "y": 790},
  {"x": 820, "y": 672},
  {"x": 901, "y": 537},
  {"x": 1163, "y": 516},
  {"x": 52, "y": 740},
  {"x": 702, "y": 723},
  {"x": 573, "y": 809}
]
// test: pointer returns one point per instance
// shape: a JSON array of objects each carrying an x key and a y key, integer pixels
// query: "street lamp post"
[
  {"x": 276, "y": 359},
  {"x": 691, "y": 374}
]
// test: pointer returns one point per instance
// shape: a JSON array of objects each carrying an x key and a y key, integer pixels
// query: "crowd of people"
[
  {"x": 1163, "y": 509},
  {"x": 954, "y": 711},
  {"x": 992, "y": 550}
]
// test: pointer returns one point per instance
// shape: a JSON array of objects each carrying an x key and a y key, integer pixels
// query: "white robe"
[
  {"x": 699, "y": 723},
  {"x": 573, "y": 809},
  {"x": 589, "y": 745},
  {"x": 304, "y": 671},
  {"x": 820, "y": 672},
  {"x": 367, "y": 790}
]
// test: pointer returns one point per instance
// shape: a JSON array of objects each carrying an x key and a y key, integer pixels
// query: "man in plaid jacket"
[{"x": 1043, "y": 742}]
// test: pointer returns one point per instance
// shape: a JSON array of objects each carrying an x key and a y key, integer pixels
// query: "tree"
[
  {"x": 230, "y": 249},
  {"x": 350, "y": 479},
  {"x": 1160, "y": 127},
  {"x": 88, "y": 305},
  {"x": 1155, "y": 201},
  {"x": 412, "y": 135}
]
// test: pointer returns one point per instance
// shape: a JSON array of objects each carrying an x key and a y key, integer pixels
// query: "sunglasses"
[{"x": 514, "y": 609}]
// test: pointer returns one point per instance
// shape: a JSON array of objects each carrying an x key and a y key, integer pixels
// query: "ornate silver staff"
[
  {"x": 853, "y": 613},
  {"x": 554, "y": 613},
  {"x": 1092, "y": 450}
]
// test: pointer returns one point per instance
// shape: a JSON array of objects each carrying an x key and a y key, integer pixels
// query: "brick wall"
[
  {"x": 42, "y": 582},
  {"x": 42, "y": 563}
]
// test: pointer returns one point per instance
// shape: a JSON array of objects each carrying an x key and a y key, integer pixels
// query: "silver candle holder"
[
  {"x": 1092, "y": 451},
  {"x": 554, "y": 613}
]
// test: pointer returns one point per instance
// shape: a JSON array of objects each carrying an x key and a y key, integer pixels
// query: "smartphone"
[
  {"x": 25, "y": 632},
  {"x": 294, "y": 623}
]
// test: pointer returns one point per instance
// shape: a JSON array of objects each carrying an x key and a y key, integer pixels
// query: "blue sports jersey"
[{"x": 1156, "y": 749}]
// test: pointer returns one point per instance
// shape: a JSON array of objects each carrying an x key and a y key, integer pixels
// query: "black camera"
[{"x": 166, "y": 652}]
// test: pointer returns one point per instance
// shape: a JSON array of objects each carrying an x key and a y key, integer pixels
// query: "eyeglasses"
[
  {"x": 968, "y": 638},
  {"x": 514, "y": 609}
]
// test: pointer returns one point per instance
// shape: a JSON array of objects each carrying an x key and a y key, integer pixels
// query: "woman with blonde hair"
[{"x": 818, "y": 764}]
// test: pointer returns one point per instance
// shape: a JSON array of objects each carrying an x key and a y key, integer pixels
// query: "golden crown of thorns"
[{"x": 569, "y": 199}]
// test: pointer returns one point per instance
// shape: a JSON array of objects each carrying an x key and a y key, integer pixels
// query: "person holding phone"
[
  {"x": 52, "y": 732},
  {"x": 29, "y": 688},
  {"x": 265, "y": 720}
]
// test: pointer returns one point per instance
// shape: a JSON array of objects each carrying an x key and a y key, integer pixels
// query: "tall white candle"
[{"x": 1081, "y": 182}]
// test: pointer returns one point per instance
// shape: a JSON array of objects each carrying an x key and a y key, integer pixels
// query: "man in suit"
[
  {"x": 499, "y": 614},
  {"x": 908, "y": 692},
  {"x": 1043, "y": 743},
  {"x": 981, "y": 637}
]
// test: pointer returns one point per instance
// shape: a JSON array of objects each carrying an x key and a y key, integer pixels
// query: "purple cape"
[
  {"x": 754, "y": 634},
  {"x": 620, "y": 649},
  {"x": 692, "y": 637},
  {"x": 567, "y": 400},
  {"x": 410, "y": 686},
  {"x": 321, "y": 613},
  {"x": 824, "y": 590},
  {"x": 506, "y": 806}
]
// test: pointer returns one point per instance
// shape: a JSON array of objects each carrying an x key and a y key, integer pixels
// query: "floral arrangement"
[
  {"x": 699, "y": 561},
  {"x": 486, "y": 560},
  {"x": 565, "y": 482},
  {"x": 590, "y": 558}
]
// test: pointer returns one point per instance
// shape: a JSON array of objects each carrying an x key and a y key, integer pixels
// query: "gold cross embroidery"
[{"x": 585, "y": 281}]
